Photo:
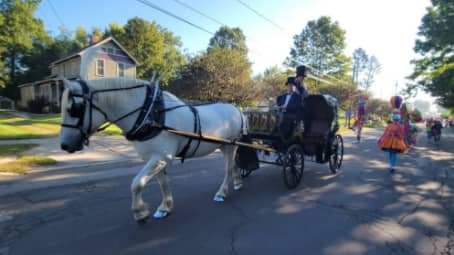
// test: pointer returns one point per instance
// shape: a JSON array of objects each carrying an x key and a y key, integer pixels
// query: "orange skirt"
[{"x": 392, "y": 143}]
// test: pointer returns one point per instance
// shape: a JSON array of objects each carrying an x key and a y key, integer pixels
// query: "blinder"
[{"x": 76, "y": 109}]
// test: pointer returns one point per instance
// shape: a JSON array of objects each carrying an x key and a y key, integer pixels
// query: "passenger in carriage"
[
  {"x": 301, "y": 73},
  {"x": 289, "y": 104}
]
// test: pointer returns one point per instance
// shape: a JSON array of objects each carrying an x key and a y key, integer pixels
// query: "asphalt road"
[{"x": 362, "y": 210}]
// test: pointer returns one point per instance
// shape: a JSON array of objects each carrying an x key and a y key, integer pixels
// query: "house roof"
[{"x": 80, "y": 52}]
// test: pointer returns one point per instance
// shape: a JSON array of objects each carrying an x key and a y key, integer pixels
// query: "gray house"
[{"x": 106, "y": 58}]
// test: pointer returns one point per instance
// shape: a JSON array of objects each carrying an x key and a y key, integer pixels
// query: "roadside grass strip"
[
  {"x": 14, "y": 149},
  {"x": 24, "y": 163}
]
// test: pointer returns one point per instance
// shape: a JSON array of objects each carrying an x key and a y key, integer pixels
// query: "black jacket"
[
  {"x": 294, "y": 103},
  {"x": 301, "y": 88}
]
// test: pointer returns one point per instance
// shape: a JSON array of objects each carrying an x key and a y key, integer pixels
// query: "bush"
[
  {"x": 54, "y": 108},
  {"x": 37, "y": 105}
]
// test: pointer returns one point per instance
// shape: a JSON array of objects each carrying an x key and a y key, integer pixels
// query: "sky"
[{"x": 384, "y": 28}]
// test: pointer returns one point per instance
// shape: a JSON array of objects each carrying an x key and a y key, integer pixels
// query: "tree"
[
  {"x": 3, "y": 75},
  {"x": 321, "y": 45},
  {"x": 434, "y": 72},
  {"x": 379, "y": 107},
  {"x": 155, "y": 48},
  {"x": 81, "y": 37},
  {"x": 271, "y": 83},
  {"x": 18, "y": 33},
  {"x": 360, "y": 60},
  {"x": 96, "y": 34},
  {"x": 115, "y": 30},
  {"x": 37, "y": 60},
  {"x": 373, "y": 67},
  {"x": 220, "y": 74},
  {"x": 229, "y": 38},
  {"x": 344, "y": 93}
]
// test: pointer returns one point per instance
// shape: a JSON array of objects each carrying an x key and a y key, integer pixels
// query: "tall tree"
[
  {"x": 321, "y": 45},
  {"x": 38, "y": 59},
  {"x": 373, "y": 68},
  {"x": 115, "y": 30},
  {"x": 360, "y": 60},
  {"x": 81, "y": 37},
  {"x": 229, "y": 38},
  {"x": 155, "y": 48},
  {"x": 434, "y": 72},
  {"x": 19, "y": 31}
]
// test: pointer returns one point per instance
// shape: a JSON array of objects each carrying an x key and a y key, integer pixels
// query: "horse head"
[{"x": 79, "y": 119}]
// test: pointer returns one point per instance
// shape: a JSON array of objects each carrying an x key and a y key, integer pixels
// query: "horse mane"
[
  {"x": 124, "y": 83},
  {"x": 115, "y": 83}
]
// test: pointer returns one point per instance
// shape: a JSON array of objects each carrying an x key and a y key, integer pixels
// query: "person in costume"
[
  {"x": 360, "y": 118},
  {"x": 289, "y": 104},
  {"x": 392, "y": 140}
]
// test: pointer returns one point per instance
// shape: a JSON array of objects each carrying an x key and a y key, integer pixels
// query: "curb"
[
  {"x": 85, "y": 165},
  {"x": 119, "y": 163}
]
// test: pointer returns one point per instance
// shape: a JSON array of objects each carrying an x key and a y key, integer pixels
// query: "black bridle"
[{"x": 77, "y": 109}]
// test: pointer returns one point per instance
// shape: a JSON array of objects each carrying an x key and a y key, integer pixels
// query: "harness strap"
[{"x": 197, "y": 129}]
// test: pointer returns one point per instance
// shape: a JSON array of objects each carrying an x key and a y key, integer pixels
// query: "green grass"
[
  {"x": 14, "y": 149},
  {"x": 24, "y": 163},
  {"x": 37, "y": 126}
]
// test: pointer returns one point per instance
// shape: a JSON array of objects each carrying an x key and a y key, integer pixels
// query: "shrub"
[{"x": 37, "y": 105}]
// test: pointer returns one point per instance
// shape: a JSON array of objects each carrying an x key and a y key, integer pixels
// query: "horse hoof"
[
  {"x": 143, "y": 221},
  {"x": 237, "y": 186},
  {"x": 160, "y": 214},
  {"x": 218, "y": 198}
]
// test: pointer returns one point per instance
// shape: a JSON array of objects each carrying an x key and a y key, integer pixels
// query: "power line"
[
  {"x": 56, "y": 14},
  {"x": 199, "y": 12},
  {"x": 187, "y": 22},
  {"x": 262, "y": 16},
  {"x": 209, "y": 17},
  {"x": 211, "y": 33},
  {"x": 175, "y": 16}
]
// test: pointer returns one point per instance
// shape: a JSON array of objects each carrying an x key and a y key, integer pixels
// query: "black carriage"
[{"x": 313, "y": 135}]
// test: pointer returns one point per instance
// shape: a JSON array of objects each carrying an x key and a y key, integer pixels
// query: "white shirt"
[{"x": 287, "y": 99}]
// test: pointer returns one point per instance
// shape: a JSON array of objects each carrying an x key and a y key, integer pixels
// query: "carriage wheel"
[
  {"x": 293, "y": 166},
  {"x": 337, "y": 154},
  {"x": 243, "y": 172}
]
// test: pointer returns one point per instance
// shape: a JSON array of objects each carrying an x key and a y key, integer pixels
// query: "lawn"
[{"x": 36, "y": 126}]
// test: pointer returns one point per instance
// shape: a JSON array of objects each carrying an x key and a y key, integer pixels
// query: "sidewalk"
[{"x": 102, "y": 150}]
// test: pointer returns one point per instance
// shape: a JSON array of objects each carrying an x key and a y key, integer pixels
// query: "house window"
[
  {"x": 104, "y": 49},
  {"x": 119, "y": 52},
  {"x": 110, "y": 50},
  {"x": 100, "y": 67},
  {"x": 121, "y": 69}
]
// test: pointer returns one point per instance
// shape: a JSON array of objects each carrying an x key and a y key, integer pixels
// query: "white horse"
[{"x": 88, "y": 105}]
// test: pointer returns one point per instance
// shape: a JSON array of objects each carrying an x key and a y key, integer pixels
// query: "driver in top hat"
[
  {"x": 301, "y": 73},
  {"x": 290, "y": 105}
]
